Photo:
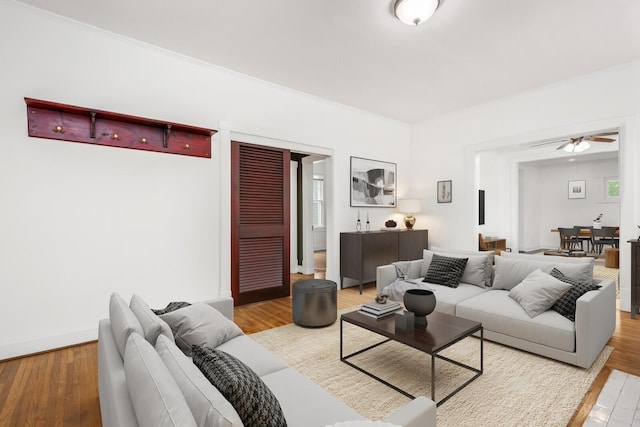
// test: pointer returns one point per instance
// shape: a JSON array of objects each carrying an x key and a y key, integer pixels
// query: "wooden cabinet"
[
  {"x": 362, "y": 253},
  {"x": 635, "y": 277}
]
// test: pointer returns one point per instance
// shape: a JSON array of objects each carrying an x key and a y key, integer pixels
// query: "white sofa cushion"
[
  {"x": 252, "y": 354},
  {"x": 156, "y": 397},
  {"x": 152, "y": 325},
  {"x": 499, "y": 313},
  {"x": 123, "y": 322},
  {"x": 447, "y": 298},
  {"x": 511, "y": 271},
  {"x": 200, "y": 324},
  {"x": 538, "y": 292},
  {"x": 207, "y": 404},
  {"x": 299, "y": 397}
]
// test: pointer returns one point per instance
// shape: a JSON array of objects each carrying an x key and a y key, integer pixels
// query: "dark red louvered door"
[{"x": 259, "y": 223}]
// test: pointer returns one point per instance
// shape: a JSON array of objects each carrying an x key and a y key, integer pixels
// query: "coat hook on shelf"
[
  {"x": 92, "y": 129},
  {"x": 143, "y": 140},
  {"x": 165, "y": 140},
  {"x": 58, "y": 129}
]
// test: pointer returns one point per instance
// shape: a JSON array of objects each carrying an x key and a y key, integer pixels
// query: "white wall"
[
  {"x": 79, "y": 222},
  {"x": 550, "y": 207},
  {"x": 446, "y": 147}
]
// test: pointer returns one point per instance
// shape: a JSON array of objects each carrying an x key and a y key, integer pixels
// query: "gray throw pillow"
[
  {"x": 152, "y": 325},
  {"x": 200, "y": 324},
  {"x": 157, "y": 399},
  {"x": 445, "y": 271},
  {"x": 538, "y": 292},
  {"x": 123, "y": 322},
  {"x": 207, "y": 404},
  {"x": 249, "y": 395},
  {"x": 472, "y": 264},
  {"x": 566, "y": 305}
]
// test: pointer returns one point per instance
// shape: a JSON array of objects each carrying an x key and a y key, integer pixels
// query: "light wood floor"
[{"x": 60, "y": 388}]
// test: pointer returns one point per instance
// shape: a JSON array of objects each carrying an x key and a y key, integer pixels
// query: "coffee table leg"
[
  {"x": 340, "y": 338},
  {"x": 433, "y": 377}
]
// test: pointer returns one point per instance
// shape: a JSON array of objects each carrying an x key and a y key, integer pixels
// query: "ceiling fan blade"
[
  {"x": 555, "y": 141},
  {"x": 564, "y": 145},
  {"x": 598, "y": 139}
]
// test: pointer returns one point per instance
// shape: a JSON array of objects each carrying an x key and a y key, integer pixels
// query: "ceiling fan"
[{"x": 580, "y": 143}]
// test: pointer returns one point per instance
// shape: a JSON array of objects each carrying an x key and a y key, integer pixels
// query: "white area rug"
[{"x": 516, "y": 388}]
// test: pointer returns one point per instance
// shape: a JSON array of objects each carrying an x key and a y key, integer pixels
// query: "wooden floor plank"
[{"x": 60, "y": 388}]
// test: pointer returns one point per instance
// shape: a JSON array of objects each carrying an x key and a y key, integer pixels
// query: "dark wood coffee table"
[{"x": 441, "y": 332}]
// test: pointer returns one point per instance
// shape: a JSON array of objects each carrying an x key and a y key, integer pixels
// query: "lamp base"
[{"x": 409, "y": 221}]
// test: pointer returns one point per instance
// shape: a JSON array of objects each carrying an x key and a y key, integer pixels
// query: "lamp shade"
[
  {"x": 414, "y": 12},
  {"x": 409, "y": 206}
]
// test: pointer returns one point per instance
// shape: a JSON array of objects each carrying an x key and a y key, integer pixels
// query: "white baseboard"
[{"x": 8, "y": 351}]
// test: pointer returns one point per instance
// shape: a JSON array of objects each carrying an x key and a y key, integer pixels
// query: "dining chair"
[
  {"x": 603, "y": 236},
  {"x": 584, "y": 239},
  {"x": 569, "y": 238}
]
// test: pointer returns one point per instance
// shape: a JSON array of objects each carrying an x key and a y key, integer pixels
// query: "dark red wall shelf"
[{"x": 80, "y": 124}]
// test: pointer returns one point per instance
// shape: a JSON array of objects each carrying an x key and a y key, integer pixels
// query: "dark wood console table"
[{"x": 362, "y": 252}]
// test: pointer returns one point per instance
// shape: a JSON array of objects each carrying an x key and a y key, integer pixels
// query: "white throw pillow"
[
  {"x": 200, "y": 324},
  {"x": 538, "y": 292}
]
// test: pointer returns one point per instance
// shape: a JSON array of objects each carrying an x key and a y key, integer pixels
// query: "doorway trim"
[
  {"x": 628, "y": 133},
  {"x": 222, "y": 145}
]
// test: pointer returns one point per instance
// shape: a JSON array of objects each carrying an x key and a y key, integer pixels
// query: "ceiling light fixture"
[
  {"x": 414, "y": 12},
  {"x": 576, "y": 146}
]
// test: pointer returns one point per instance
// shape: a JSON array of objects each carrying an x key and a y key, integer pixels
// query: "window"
[
  {"x": 612, "y": 187},
  {"x": 318, "y": 202}
]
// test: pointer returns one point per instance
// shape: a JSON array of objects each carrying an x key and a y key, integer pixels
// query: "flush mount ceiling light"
[{"x": 414, "y": 12}]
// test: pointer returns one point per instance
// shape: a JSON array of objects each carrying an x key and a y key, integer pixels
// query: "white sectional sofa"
[
  {"x": 145, "y": 379},
  {"x": 487, "y": 300}
]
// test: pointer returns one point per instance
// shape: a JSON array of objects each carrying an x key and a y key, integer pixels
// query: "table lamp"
[{"x": 409, "y": 207}]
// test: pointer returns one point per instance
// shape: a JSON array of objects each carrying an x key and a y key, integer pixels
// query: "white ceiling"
[{"x": 355, "y": 52}]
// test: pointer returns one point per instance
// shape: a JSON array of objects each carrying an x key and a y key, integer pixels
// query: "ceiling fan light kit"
[
  {"x": 415, "y": 12},
  {"x": 575, "y": 146}
]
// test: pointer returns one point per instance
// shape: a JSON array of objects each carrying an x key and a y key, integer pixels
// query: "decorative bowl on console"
[{"x": 421, "y": 302}]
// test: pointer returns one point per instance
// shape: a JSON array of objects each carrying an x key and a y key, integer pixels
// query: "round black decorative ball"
[{"x": 421, "y": 302}]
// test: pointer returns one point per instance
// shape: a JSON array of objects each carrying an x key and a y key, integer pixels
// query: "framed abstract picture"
[
  {"x": 373, "y": 183},
  {"x": 444, "y": 191},
  {"x": 578, "y": 189}
]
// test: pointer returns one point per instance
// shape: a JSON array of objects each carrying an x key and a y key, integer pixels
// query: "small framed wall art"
[
  {"x": 578, "y": 189},
  {"x": 444, "y": 191},
  {"x": 373, "y": 183}
]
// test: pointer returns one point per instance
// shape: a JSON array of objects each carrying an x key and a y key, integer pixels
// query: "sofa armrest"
[
  {"x": 595, "y": 321},
  {"x": 387, "y": 274},
  {"x": 420, "y": 412},
  {"x": 223, "y": 304}
]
